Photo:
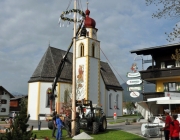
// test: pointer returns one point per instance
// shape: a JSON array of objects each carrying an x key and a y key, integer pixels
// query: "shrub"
[
  {"x": 3, "y": 119},
  {"x": 133, "y": 120}
]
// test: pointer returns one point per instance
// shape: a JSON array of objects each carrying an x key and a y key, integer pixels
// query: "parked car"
[{"x": 12, "y": 114}]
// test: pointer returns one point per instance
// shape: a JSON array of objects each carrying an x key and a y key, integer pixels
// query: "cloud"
[{"x": 27, "y": 27}]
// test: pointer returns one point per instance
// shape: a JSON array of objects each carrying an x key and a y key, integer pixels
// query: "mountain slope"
[{"x": 126, "y": 94}]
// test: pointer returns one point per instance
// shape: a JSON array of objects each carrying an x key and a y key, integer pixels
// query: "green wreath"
[
  {"x": 49, "y": 91},
  {"x": 72, "y": 11}
]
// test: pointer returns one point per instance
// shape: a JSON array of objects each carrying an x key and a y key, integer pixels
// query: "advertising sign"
[
  {"x": 134, "y": 94},
  {"x": 134, "y": 82},
  {"x": 172, "y": 94},
  {"x": 136, "y": 88},
  {"x": 133, "y": 74}
]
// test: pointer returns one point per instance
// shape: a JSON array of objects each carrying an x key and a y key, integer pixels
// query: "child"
[{"x": 59, "y": 126}]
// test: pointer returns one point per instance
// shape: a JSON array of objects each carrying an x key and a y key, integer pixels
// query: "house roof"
[
  {"x": 18, "y": 97},
  {"x": 11, "y": 96},
  {"x": 157, "y": 49},
  {"x": 48, "y": 65}
]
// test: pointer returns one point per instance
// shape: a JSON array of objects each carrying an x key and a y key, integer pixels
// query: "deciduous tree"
[{"x": 167, "y": 8}]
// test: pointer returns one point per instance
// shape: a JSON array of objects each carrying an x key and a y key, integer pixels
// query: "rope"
[
  {"x": 69, "y": 4},
  {"x": 112, "y": 65},
  {"x": 115, "y": 69}
]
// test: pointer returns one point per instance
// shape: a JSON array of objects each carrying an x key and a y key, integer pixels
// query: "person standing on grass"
[
  {"x": 54, "y": 124},
  {"x": 59, "y": 126},
  {"x": 167, "y": 121},
  {"x": 174, "y": 128}
]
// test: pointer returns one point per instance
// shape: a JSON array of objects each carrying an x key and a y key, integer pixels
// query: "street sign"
[
  {"x": 134, "y": 94},
  {"x": 133, "y": 74},
  {"x": 136, "y": 88},
  {"x": 134, "y": 82}
]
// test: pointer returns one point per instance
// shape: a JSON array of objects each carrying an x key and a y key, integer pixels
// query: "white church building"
[{"x": 95, "y": 79}]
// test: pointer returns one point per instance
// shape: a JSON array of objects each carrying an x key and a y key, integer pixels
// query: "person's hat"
[{"x": 167, "y": 110}]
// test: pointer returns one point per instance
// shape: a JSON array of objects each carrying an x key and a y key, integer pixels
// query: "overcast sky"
[{"x": 27, "y": 27}]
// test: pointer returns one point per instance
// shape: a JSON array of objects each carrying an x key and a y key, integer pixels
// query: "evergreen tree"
[{"x": 18, "y": 129}]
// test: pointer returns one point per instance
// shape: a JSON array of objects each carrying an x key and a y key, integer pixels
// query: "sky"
[{"x": 28, "y": 27}]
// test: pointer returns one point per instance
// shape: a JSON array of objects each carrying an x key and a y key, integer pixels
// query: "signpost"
[
  {"x": 133, "y": 74},
  {"x": 136, "y": 88},
  {"x": 134, "y": 82},
  {"x": 134, "y": 94}
]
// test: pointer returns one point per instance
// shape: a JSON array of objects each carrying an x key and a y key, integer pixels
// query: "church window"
[
  {"x": 117, "y": 100},
  {"x": 67, "y": 98},
  {"x": 93, "y": 50},
  {"x": 81, "y": 50},
  {"x": 48, "y": 100},
  {"x": 110, "y": 102}
]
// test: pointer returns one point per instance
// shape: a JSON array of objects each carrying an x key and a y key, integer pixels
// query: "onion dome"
[{"x": 89, "y": 22}]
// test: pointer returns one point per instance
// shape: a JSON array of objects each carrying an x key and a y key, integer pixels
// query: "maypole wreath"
[
  {"x": 49, "y": 91},
  {"x": 72, "y": 11}
]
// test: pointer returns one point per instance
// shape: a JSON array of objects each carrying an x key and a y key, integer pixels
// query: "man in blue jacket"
[{"x": 59, "y": 126}]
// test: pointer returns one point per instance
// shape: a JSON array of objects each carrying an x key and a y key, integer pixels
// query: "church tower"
[{"x": 88, "y": 63}]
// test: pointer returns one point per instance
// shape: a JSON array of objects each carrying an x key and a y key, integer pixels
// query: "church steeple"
[{"x": 88, "y": 62}]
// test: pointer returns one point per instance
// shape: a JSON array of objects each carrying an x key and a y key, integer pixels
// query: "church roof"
[{"x": 48, "y": 65}]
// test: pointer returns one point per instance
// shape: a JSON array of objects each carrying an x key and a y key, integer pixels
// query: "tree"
[
  {"x": 129, "y": 106},
  {"x": 18, "y": 129},
  {"x": 168, "y": 8}
]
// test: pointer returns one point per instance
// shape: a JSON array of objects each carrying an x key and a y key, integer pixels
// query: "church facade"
[{"x": 94, "y": 79}]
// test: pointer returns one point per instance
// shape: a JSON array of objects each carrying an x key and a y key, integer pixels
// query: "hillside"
[{"x": 126, "y": 94}]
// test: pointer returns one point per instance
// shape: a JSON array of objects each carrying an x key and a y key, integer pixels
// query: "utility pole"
[{"x": 74, "y": 75}]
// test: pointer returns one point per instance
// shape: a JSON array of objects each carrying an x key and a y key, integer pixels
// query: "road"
[{"x": 134, "y": 128}]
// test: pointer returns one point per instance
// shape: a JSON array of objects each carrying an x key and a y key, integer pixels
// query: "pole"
[{"x": 74, "y": 75}]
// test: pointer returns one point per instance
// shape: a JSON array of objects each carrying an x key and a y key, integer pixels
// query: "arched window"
[
  {"x": 110, "y": 102},
  {"x": 3, "y": 101},
  {"x": 93, "y": 50},
  {"x": 67, "y": 98},
  {"x": 3, "y": 110},
  {"x": 81, "y": 50},
  {"x": 117, "y": 100},
  {"x": 48, "y": 100}
]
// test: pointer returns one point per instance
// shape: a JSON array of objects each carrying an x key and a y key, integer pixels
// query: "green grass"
[
  {"x": 108, "y": 135},
  {"x": 2, "y": 122}
]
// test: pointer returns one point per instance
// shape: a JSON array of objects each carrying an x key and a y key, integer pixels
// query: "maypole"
[
  {"x": 64, "y": 17},
  {"x": 74, "y": 74}
]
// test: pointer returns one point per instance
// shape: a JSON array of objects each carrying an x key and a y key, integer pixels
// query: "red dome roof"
[{"x": 89, "y": 22}]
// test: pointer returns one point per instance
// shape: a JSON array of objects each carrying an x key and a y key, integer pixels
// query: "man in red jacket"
[
  {"x": 174, "y": 128},
  {"x": 167, "y": 124}
]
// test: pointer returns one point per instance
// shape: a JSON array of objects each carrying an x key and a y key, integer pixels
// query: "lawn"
[{"x": 108, "y": 135}]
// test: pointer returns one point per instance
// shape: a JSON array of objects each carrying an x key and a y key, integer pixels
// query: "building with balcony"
[{"x": 164, "y": 72}]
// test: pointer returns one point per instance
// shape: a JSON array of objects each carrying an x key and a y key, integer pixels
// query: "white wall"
[
  {"x": 113, "y": 99},
  {"x": 33, "y": 100},
  {"x": 94, "y": 80},
  {"x": 103, "y": 95},
  {"x": 7, "y": 105},
  {"x": 43, "y": 98}
]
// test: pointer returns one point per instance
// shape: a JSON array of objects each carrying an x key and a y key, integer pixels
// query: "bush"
[
  {"x": 133, "y": 120},
  {"x": 3, "y": 119}
]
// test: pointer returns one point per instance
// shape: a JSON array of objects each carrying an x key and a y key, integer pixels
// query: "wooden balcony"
[{"x": 158, "y": 73}]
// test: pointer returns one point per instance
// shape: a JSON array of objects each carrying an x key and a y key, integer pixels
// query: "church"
[{"x": 95, "y": 79}]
